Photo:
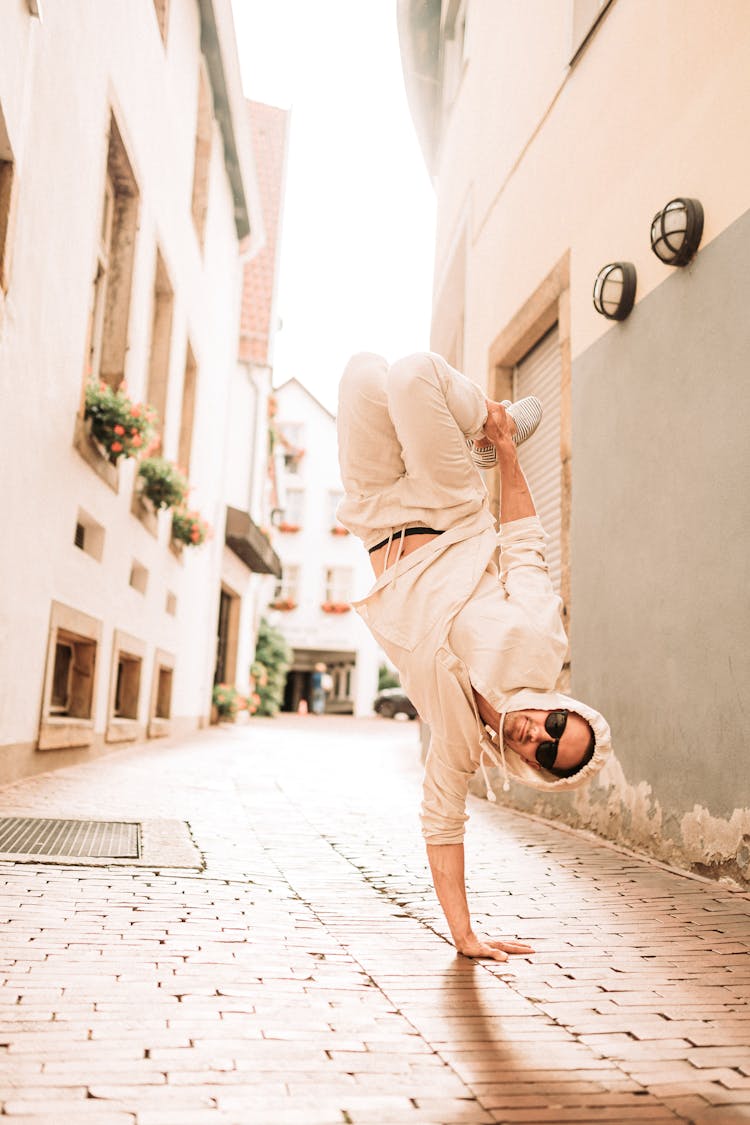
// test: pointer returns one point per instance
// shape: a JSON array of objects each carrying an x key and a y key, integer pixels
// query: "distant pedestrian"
[
  {"x": 320, "y": 683},
  {"x": 479, "y": 646}
]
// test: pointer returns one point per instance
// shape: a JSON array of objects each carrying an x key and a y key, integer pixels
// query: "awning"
[{"x": 250, "y": 544}]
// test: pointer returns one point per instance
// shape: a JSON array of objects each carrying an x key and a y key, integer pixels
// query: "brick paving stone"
[{"x": 304, "y": 975}]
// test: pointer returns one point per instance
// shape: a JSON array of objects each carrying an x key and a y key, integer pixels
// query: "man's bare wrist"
[
  {"x": 506, "y": 450},
  {"x": 462, "y": 938}
]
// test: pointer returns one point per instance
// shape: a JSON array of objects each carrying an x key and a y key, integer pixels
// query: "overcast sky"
[{"x": 357, "y": 245}]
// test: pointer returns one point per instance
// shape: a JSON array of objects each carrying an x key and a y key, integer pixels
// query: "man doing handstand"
[{"x": 479, "y": 646}]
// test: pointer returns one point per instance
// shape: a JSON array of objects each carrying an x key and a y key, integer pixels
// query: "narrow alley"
[{"x": 293, "y": 967}]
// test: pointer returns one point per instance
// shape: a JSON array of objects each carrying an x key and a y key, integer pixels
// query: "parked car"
[{"x": 391, "y": 703}]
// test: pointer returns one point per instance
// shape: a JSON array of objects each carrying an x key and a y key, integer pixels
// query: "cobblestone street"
[{"x": 303, "y": 974}]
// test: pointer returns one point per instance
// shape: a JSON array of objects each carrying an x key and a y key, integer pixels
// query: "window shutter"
[{"x": 539, "y": 373}]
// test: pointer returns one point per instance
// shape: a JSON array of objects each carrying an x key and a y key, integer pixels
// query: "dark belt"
[{"x": 407, "y": 531}]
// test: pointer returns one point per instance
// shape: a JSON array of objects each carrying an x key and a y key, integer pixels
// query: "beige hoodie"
[{"x": 450, "y": 622}]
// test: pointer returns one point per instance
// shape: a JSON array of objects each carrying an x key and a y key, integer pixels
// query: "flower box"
[
  {"x": 162, "y": 483},
  {"x": 189, "y": 528},
  {"x": 119, "y": 426},
  {"x": 290, "y": 528},
  {"x": 339, "y": 530},
  {"x": 283, "y": 604},
  {"x": 335, "y": 607}
]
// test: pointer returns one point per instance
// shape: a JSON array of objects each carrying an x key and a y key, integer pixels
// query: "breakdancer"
[{"x": 479, "y": 646}]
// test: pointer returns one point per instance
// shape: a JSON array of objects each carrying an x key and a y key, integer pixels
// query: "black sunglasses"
[{"x": 554, "y": 724}]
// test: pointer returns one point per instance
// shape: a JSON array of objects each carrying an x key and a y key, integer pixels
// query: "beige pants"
[{"x": 402, "y": 445}]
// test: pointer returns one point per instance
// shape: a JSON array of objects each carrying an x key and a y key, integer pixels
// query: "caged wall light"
[
  {"x": 676, "y": 231},
  {"x": 614, "y": 290}
]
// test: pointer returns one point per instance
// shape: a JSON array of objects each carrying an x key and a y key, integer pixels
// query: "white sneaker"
[{"x": 526, "y": 413}]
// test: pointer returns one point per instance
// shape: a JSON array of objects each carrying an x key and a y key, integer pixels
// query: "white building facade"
[
  {"x": 323, "y": 567},
  {"x": 127, "y": 187},
  {"x": 560, "y": 137}
]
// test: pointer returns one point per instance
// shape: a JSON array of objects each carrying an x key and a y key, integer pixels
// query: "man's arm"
[
  {"x": 447, "y": 866},
  {"x": 515, "y": 499}
]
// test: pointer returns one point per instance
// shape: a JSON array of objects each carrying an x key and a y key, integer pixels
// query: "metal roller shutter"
[{"x": 539, "y": 373}]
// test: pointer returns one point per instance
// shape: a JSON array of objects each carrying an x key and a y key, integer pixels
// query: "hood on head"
[{"x": 521, "y": 770}]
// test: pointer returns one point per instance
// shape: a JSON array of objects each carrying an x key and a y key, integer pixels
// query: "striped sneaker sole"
[{"x": 527, "y": 414}]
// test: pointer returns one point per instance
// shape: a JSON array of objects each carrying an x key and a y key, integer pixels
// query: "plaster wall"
[
  {"x": 57, "y": 113},
  {"x": 538, "y": 156},
  {"x": 314, "y": 548},
  {"x": 661, "y": 573},
  {"x": 543, "y": 163}
]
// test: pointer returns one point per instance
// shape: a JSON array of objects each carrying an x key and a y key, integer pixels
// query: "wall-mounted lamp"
[
  {"x": 614, "y": 290},
  {"x": 676, "y": 231}
]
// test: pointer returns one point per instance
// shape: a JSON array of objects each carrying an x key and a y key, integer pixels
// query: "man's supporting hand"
[
  {"x": 447, "y": 866},
  {"x": 497, "y": 950}
]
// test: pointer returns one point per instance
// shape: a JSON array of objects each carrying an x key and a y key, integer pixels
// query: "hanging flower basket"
[
  {"x": 284, "y": 604},
  {"x": 339, "y": 530},
  {"x": 162, "y": 483},
  {"x": 335, "y": 607},
  {"x": 119, "y": 426},
  {"x": 189, "y": 527}
]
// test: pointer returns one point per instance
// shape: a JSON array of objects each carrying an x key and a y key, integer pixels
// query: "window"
[
  {"x": 163, "y": 708},
  {"x": 292, "y": 438},
  {"x": 161, "y": 7},
  {"x": 138, "y": 577},
  {"x": 89, "y": 535},
  {"x": 202, "y": 155},
  {"x": 287, "y": 589},
  {"x": 128, "y": 654},
  {"x": 161, "y": 695},
  {"x": 539, "y": 373},
  {"x": 127, "y": 687},
  {"x": 7, "y": 203},
  {"x": 292, "y": 433},
  {"x": 338, "y": 584},
  {"x": 161, "y": 335},
  {"x": 170, "y": 604},
  {"x": 110, "y": 310},
  {"x": 62, "y": 677},
  {"x": 68, "y": 700},
  {"x": 294, "y": 509},
  {"x": 188, "y": 412},
  {"x": 72, "y": 676}
]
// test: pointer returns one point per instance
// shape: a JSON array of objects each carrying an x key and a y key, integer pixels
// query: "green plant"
[
  {"x": 387, "y": 678},
  {"x": 162, "y": 482},
  {"x": 122, "y": 427},
  {"x": 227, "y": 701},
  {"x": 189, "y": 527},
  {"x": 273, "y": 657}
]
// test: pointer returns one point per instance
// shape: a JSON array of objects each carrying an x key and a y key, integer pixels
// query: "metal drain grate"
[{"x": 110, "y": 839}]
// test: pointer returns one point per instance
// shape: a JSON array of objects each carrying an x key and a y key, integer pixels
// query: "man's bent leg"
[
  {"x": 434, "y": 410},
  {"x": 369, "y": 451}
]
